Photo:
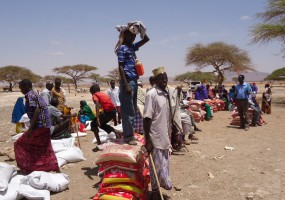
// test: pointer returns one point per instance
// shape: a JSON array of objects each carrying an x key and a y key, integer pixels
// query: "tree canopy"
[
  {"x": 98, "y": 78},
  {"x": 221, "y": 56},
  {"x": 273, "y": 23},
  {"x": 278, "y": 74},
  {"x": 197, "y": 76},
  {"x": 114, "y": 74},
  {"x": 14, "y": 74},
  {"x": 76, "y": 72}
]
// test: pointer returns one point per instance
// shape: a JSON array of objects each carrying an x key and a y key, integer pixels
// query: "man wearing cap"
[
  {"x": 161, "y": 108},
  {"x": 242, "y": 92},
  {"x": 125, "y": 50}
]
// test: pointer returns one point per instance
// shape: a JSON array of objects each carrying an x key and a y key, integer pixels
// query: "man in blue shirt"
[
  {"x": 128, "y": 84},
  {"x": 242, "y": 92}
]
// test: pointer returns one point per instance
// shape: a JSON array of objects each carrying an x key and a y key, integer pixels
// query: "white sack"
[
  {"x": 29, "y": 192},
  {"x": 80, "y": 134},
  {"x": 61, "y": 161},
  {"x": 104, "y": 136},
  {"x": 62, "y": 144},
  {"x": 47, "y": 181},
  {"x": 6, "y": 172},
  {"x": 88, "y": 126},
  {"x": 71, "y": 154},
  {"x": 11, "y": 193},
  {"x": 17, "y": 136}
]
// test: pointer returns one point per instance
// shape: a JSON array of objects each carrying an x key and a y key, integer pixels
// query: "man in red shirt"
[{"x": 102, "y": 100}]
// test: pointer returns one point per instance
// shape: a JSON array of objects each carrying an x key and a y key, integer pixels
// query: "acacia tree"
[
  {"x": 14, "y": 74},
  {"x": 273, "y": 23},
  {"x": 223, "y": 57},
  {"x": 199, "y": 76},
  {"x": 278, "y": 74},
  {"x": 97, "y": 78},
  {"x": 76, "y": 72},
  {"x": 114, "y": 74}
]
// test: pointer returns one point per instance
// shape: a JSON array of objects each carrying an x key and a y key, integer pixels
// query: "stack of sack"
[
  {"x": 218, "y": 105},
  {"x": 36, "y": 185},
  {"x": 236, "y": 119},
  {"x": 124, "y": 172},
  {"x": 195, "y": 107}
]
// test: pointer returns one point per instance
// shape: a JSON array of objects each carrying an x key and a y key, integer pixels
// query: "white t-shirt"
[{"x": 114, "y": 95}]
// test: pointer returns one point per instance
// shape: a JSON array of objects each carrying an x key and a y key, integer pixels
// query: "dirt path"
[{"x": 255, "y": 168}]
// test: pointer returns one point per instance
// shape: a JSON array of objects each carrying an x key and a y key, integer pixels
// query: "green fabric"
[
  {"x": 86, "y": 110},
  {"x": 208, "y": 111}
]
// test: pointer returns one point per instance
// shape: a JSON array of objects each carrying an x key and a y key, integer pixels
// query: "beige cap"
[{"x": 158, "y": 71}]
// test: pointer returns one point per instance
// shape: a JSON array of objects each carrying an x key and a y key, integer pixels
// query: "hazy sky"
[{"x": 42, "y": 35}]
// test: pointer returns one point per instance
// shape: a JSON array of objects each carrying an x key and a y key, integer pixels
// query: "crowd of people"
[{"x": 161, "y": 113}]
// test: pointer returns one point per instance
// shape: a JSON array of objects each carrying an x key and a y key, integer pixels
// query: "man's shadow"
[{"x": 89, "y": 172}]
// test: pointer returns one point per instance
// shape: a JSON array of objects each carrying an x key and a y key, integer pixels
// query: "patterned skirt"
[
  {"x": 35, "y": 153},
  {"x": 161, "y": 161}
]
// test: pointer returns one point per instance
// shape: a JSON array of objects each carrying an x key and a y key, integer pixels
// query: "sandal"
[{"x": 192, "y": 137}]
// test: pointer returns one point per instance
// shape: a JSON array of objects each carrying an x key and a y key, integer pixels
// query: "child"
[
  {"x": 109, "y": 112},
  {"x": 18, "y": 111},
  {"x": 128, "y": 74}
]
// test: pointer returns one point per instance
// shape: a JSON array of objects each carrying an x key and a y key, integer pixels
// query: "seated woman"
[
  {"x": 208, "y": 110},
  {"x": 33, "y": 150},
  {"x": 61, "y": 124},
  {"x": 85, "y": 113},
  {"x": 102, "y": 118}
]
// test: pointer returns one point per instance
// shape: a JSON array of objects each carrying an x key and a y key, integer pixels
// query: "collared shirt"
[
  {"x": 33, "y": 100},
  {"x": 242, "y": 91},
  {"x": 46, "y": 95},
  {"x": 127, "y": 56},
  {"x": 157, "y": 109},
  {"x": 114, "y": 95}
]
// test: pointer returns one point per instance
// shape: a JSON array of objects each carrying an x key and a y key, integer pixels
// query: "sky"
[{"x": 42, "y": 35}]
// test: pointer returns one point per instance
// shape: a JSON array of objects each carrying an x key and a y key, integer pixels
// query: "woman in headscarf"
[
  {"x": 18, "y": 111},
  {"x": 86, "y": 112},
  {"x": 198, "y": 93},
  {"x": 266, "y": 99}
]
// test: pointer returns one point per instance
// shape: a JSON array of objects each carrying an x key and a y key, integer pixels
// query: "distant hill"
[{"x": 249, "y": 77}]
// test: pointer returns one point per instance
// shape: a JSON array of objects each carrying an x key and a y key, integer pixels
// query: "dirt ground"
[{"x": 254, "y": 170}]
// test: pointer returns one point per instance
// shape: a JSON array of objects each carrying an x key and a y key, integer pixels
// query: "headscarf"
[
  {"x": 198, "y": 93},
  {"x": 86, "y": 110},
  {"x": 19, "y": 110}
]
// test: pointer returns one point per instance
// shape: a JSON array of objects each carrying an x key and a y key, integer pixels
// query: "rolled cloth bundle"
[{"x": 136, "y": 27}]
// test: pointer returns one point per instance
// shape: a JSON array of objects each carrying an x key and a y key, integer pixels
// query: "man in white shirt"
[
  {"x": 46, "y": 92},
  {"x": 113, "y": 93},
  {"x": 161, "y": 108}
]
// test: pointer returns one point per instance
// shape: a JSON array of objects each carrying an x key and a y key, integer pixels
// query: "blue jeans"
[{"x": 128, "y": 108}]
